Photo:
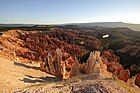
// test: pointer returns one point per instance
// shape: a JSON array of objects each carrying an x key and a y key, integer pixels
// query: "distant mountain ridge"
[
  {"x": 16, "y": 25},
  {"x": 135, "y": 27}
]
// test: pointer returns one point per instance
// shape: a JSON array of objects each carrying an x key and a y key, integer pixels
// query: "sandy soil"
[
  {"x": 93, "y": 83},
  {"x": 27, "y": 78},
  {"x": 14, "y": 76}
]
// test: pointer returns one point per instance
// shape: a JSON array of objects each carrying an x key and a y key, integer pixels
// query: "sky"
[{"x": 69, "y": 11}]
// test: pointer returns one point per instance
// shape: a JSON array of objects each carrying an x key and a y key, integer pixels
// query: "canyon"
[{"x": 65, "y": 54}]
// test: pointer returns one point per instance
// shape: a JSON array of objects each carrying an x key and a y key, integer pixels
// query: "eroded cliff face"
[
  {"x": 59, "y": 53},
  {"x": 53, "y": 49},
  {"x": 113, "y": 65}
]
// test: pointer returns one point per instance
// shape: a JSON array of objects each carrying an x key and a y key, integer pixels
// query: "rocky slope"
[
  {"x": 93, "y": 83},
  {"x": 62, "y": 53}
]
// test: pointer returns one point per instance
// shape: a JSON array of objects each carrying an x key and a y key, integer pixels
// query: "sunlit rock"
[{"x": 95, "y": 65}]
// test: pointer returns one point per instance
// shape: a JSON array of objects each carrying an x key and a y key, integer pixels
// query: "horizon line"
[{"x": 60, "y": 23}]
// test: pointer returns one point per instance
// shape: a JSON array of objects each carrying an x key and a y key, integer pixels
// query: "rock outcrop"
[{"x": 95, "y": 65}]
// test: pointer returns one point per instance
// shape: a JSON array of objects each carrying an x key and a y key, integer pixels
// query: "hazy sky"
[{"x": 69, "y": 11}]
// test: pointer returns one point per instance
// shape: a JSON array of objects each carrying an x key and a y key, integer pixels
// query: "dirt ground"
[
  {"x": 27, "y": 78},
  {"x": 14, "y": 75}
]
